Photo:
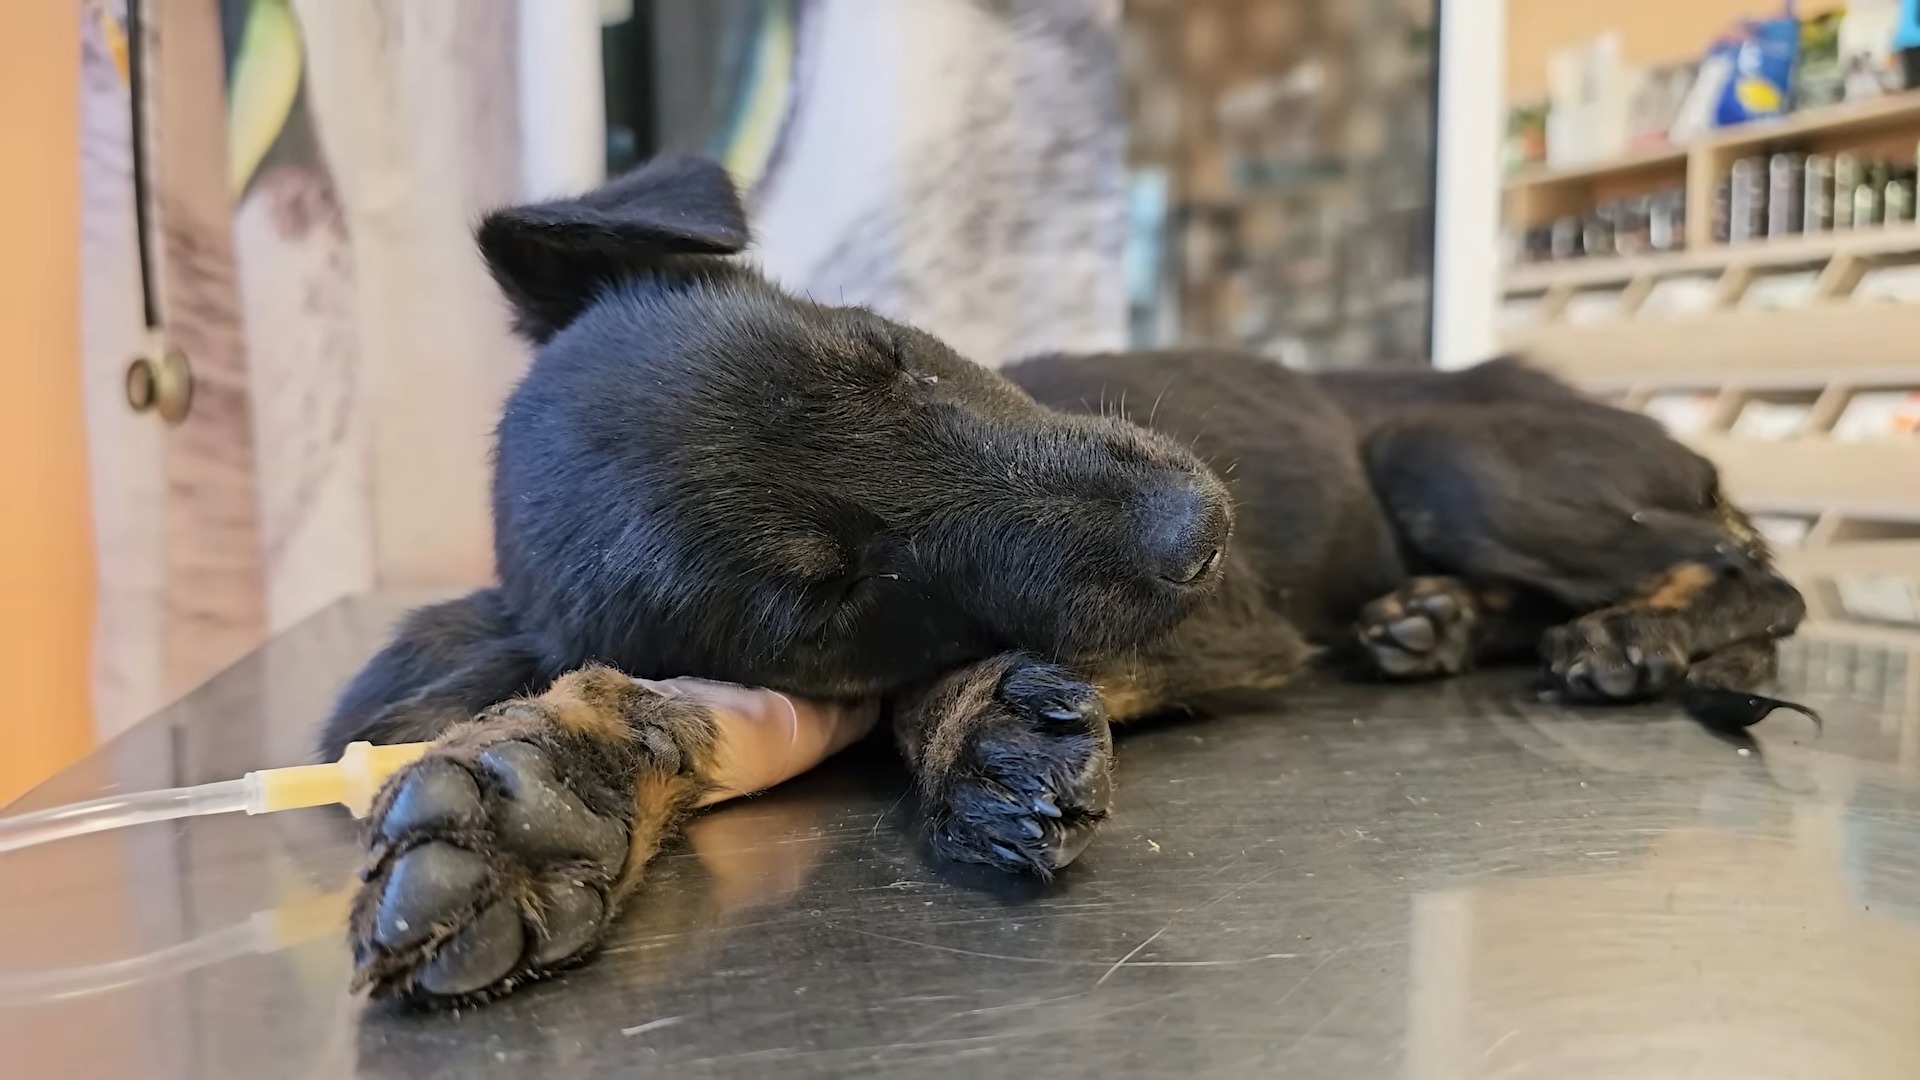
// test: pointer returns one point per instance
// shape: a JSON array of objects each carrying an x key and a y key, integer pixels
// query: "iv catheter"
[
  {"x": 351, "y": 781},
  {"x": 764, "y": 738}
]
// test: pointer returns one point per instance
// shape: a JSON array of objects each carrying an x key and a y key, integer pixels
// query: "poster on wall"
[{"x": 957, "y": 164}]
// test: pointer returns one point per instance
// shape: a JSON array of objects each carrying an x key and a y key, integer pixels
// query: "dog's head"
[{"x": 703, "y": 474}]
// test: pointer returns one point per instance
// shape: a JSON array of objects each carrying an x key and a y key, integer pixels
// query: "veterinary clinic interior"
[{"x": 266, "y": 400}]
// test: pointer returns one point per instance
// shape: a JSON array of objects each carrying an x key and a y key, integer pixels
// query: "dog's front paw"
[
  {"x": 491, "y": 862},
  {"x": 1422, "y": 630},
  {"x": 1031, "y": 776},
  {"x": 1617, "y": 655},
  {"x": 503, "y": 854}
]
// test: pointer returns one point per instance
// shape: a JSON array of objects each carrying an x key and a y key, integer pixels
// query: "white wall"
[{"x": 1466, "y": 270}]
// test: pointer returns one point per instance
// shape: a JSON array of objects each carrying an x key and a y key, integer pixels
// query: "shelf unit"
[
  {"x": 1537, "y": 196},
  {"x": 1591, "y": 322}
]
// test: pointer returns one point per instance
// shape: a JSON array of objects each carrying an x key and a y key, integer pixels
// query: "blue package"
[
  {"x": 1761, "y": 55},
  {"x": 1908, "y": 35}
]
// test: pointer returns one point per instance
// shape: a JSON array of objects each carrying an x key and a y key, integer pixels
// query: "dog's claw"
[{"x": 1414, "y": 634}]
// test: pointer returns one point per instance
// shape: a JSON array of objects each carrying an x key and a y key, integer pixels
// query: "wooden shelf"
[
  {"x": 1887, "y": 126},
  {"x": 1893, "y": 558},
  {"x": 1649, "y": 161},
  {"x": 1854, "y": 118},
  {"x": 1817, "y": 355},
  {"x": 1714, "y": 348},
  {"x": 1813, "y": 471},
  {"x": 1877, "y": 243},
  {"x": 1859, "y": 118}
]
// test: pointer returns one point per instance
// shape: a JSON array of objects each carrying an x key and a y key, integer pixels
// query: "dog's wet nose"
[{"x": 1185, "y": 529}]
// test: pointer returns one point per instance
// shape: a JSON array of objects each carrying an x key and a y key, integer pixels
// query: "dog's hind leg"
[
  {"x": 1600, "y": 513},
  {"x": 1694, "y": 626},
  {"x": 505, "y": 853}
]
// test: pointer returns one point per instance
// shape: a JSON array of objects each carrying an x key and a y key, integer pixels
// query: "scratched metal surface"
[{"x": 1340, "y": 882}]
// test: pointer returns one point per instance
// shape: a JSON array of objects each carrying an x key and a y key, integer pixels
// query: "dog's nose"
[{"x": 1185, "y": 528}]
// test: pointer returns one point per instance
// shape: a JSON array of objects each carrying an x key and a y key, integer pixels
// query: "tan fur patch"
[
  {"x": 1679, "y": 586},
  {"x": 593, "y": 701},
  {"x": 965, "y": 694},
  {"x": 660, "y": 803},
  {"x": 1129, "y": 700}
]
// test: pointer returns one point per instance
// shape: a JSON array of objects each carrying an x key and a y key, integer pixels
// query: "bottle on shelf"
[
  {"x": 1866, "y": 203},
  {"x": 1786, "y": 174},
  {"x": 1817, "y": 191},
  {"x": 1748, "y": 214},
  {"x": 1897, "y": 202},
  {"x": 1846, "y": 178}
]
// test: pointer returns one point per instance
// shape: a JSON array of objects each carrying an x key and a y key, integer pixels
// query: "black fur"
[{"x": 704, "y": 475}]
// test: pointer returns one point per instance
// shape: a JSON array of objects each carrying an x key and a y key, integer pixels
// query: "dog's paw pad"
[
  {"x": 478, "y": 955},
  {"x": 487, "y": 869},
  {"x": 1423, "y": 630}
]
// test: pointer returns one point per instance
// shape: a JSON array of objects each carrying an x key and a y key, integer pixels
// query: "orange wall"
[{"x": 46, "y": 547}]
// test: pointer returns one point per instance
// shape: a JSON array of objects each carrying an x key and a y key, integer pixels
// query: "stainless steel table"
[{"x": 1341, "y": 881}]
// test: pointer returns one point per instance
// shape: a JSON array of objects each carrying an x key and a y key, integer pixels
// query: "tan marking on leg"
[
  {"x": 604, "y": 704},
  {"x": 1134, "y": 693},
  {"x": 661, "y": 803},
  {"x": 958, "y": 700},
  {"x": 593, "y": 701},
  {"x": 1128, "y": 700},
  {"x": 1678, "y": 586}
]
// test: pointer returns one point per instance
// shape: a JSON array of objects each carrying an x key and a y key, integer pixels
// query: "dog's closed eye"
[{"x": 883, "y": 343}]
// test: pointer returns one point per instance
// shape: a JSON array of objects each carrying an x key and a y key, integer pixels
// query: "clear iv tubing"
[
  {"x": 764, "y": 738},
  {"x": 350, "y": 781},
  {"x": 120, "y": 811}
]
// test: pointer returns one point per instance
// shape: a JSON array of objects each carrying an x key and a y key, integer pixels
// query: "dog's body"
[{"x": 702, "y": 475}]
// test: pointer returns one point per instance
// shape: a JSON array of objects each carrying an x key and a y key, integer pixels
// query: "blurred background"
[{"x": 255, "y": 360}]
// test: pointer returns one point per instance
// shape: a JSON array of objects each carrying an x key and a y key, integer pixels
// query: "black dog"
[{"x": 703, "y": 475}]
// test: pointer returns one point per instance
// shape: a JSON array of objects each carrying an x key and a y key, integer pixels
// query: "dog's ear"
[{"x": 552, "y": 259}]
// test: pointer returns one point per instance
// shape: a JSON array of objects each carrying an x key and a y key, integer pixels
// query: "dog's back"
[{"x": 1495, "y": 496}]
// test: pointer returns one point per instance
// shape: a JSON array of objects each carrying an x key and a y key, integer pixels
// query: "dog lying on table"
[{"x": 703, "y": 475}]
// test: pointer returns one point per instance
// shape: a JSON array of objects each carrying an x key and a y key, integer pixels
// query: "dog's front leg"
[
  {"x": 504, "y": 854},
  {"x": 1013, "y": 760}
]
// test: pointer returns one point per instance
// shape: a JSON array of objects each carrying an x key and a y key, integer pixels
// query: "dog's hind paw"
[
  {"x": 1032, "y": 781},
  {"x": 1422, "y": 630},
  {"x": 1616, "y": 655}
]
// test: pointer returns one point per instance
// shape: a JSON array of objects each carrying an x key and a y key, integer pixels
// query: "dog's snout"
[{"x": 1184, "y": 529}]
